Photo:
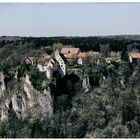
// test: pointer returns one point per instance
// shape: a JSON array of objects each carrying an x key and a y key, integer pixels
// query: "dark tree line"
[{"x": 84, "y": 43}]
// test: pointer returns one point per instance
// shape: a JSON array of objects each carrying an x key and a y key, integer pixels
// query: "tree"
[
  {"x": 37, "y": 78},
  {"x": 104, "y": 50},
  {"x": 57, "y": 46},
  {"x": 124, "y": 56}
]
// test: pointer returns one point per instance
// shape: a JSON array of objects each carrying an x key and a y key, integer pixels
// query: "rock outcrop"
[
  {"x": 25, "y": 100},
  {"x": 86, "y": 84},
  {"x": 2, "y": 85}
]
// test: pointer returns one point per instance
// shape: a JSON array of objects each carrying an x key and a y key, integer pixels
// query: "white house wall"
[
  {"x": 80, "y": 61},
  {"x": 61, "y": 63},
  {"x": 49, "y": 73},
  {"x": 50, "y": 66},
  {"x": 130, "y": 59}
]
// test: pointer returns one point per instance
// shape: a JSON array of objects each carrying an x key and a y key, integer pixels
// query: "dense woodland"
[{"x": 110, "y": 109}]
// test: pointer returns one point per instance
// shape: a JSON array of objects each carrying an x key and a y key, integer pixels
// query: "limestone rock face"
[
  {"x": 85, "y": 84},
  {"x": 25, "y": 100},
  {"x": 2, "y": 85},
  {"x": 3, "y": 107}
]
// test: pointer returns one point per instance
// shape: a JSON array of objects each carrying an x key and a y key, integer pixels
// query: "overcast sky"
[{"x": 71, "y": 19}]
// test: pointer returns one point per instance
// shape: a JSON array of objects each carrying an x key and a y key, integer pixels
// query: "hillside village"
[
  {"x": 60, "y": 61},
  {"x": 58, "y": 64},
  {"x": 79, "y": 88}
]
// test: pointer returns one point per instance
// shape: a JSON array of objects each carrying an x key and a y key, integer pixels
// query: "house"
[
  {"x": 90, "y": 55},
  {"x": 42, "y": 62},
  {"x": 56, "y": 68},
  {"x": 30, "y": 60},
  {"x": 46, "y": 56},
  {"x": 60, "y": 58},
  {"x": 70, "y": 52},
  {"x": 53, "y": 66},
  {"x": 59, "y": 63},
  {"x": 75, "y": 55},
  {"x": 46, "y": 67},
  {"x": 42, "y": 68},
  {"x": 134, "y": 57},
  {"x": 81, "y": 57},
  {"x": 50, "y": 68},
  {"x": 80, "y": 61}
]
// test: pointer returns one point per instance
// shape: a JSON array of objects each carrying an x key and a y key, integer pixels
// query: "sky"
[{"x": 69, "y": 19}]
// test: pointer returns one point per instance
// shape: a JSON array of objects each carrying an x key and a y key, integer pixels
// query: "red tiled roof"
[
  {"x": 83, "y": 54},
  {"x": 70, "y": 50},
  {"x": 88, "y": 54},
  {"x": 134, "y": 55},
  {"x": 70, "y": 56}
]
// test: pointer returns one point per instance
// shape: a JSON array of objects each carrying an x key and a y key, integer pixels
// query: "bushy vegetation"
[{"x": 37, "y": 78}]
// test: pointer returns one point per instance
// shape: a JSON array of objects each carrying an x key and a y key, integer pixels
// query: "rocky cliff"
[{"x": 24, "y": 100}]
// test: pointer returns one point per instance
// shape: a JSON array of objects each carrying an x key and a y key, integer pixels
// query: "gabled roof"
[
  {"x": 63, "y": 57},
  {"x": 31, "y": 59},
  {"x": 46, "y": 56},
  {"x": 70, "y": 56},
  {"x": 70, "y": 50},
  {"x": 88, "y": 54},
  {"x": 134, "y": 54},
  {"x": 53, "y": 61},
  {"x": 83, "y": 55}
]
